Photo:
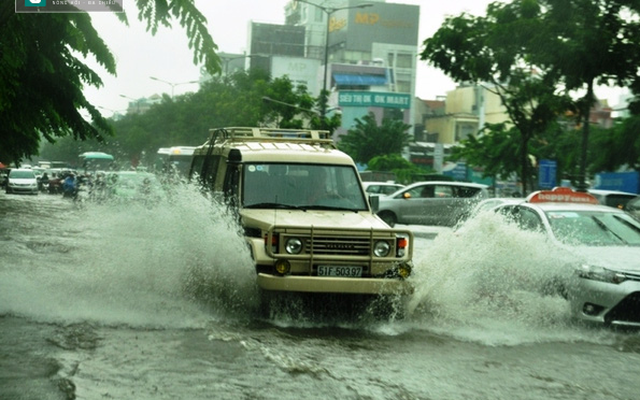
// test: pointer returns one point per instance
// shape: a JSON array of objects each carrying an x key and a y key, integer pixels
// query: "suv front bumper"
[{"x": 316, "y": 284}]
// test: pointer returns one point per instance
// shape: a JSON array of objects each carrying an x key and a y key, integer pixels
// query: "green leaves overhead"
[
  {"x": 162, "y": 12},
  {"x": 234, "y": 100},
  {"x": 535, "y": 54},
  {"x": 43, "y": 74}
]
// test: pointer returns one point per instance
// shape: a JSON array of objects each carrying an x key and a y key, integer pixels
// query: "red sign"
[{"x": 561, "y": 195}]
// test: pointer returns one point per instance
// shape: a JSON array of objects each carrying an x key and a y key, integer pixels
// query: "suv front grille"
[{"x": 352, "y": 246}]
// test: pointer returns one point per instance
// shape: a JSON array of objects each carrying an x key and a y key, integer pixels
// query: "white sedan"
[{"x": 604, "y": 242}]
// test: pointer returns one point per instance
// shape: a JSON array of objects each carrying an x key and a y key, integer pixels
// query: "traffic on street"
[{"x": 127, "y": 301}]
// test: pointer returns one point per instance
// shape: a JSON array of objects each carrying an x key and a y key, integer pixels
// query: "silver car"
[
  {"x": 22, "y": 180},
  {"x": 612, "y": 198},
  {"x": 380, "y": 188},
  {"x": 602, "y": 283},
  {"x": 431, "y": 203}
]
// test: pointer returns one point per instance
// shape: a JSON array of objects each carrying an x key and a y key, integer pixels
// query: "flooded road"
[{"x": 129, "y": 302}]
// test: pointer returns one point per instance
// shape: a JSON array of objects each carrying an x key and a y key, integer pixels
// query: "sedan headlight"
[
  {"x": 293, "y": 246},
  {"x": 381, "y": 248},
  {"x": 600, "y": 274}
]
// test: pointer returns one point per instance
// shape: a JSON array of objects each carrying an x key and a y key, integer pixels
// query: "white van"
[{"x": 305, "y": 215}]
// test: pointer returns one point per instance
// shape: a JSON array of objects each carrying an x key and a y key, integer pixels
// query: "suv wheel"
[{"x": 389, "y": 218}]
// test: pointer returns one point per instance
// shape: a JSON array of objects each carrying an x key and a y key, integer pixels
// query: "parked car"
[
  {"x": 381, "y": 188},
  {"x": 602, "y": 283},
  {"x": 21, "y": 180},
  {"x": 633, "y": 207},
  {"x": 612, "y": 198},
  {"x": 431, "y": 203}
]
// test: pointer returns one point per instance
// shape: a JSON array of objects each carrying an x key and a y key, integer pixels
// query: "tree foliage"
[
  {"x": 535, "y": 53},
  {"x": 42, "y": 73},
  {"x": 618, "y": 147},
  {"x": 234, "y": 100},
  {"x": 368, "y": 139},
  {"x": 405, "y": 171},
  {"x": 495, "y": 49},
  {"x": 592, "y": 42}
]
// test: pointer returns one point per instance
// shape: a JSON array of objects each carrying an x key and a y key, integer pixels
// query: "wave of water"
[
  {"x": 489, "y": 282},
  {"x": 185, "y": 263},
  {"x": 127, "y": 263}
]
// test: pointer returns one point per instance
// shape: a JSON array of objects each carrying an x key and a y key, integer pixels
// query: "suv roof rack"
[{"x": 246, "y": 134}]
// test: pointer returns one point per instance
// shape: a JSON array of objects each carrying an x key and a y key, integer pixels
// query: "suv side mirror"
[{"x": 374, "y": 201}]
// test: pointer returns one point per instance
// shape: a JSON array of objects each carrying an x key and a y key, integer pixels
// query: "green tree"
[
  {"x": 234, "y": 100},
  {"x": 323, "y": 121},
  {"x": 496, "y": 49},
  {"x": 42, "y": 73},
  {"x": 616, "y": 147},
  {"x": 404, "y": 170},
  {"x": 368, "y": 139},
  {"x": 496, "y": 150},
  {"x": 590, "y": 42}
]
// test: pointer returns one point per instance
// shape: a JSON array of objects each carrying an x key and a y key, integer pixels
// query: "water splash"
[
  {"x": 175, "y": 264},
  {"x": 490, "y": 281}
]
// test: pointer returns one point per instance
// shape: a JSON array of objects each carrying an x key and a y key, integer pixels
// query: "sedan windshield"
[
  {"x": 594, "y": 228},
  {"x": 302, "y": 186},
  {"x": 21, "y": 174}
]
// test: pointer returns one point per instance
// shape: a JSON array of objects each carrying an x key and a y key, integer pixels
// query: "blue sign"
[
  {"x": 457, "y": 172},
  {"x": 547, "y": 174},
  {"x": 623, "y": 181}
]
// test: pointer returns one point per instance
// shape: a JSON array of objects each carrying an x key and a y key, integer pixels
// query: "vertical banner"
[{"x": 547, "y": 174}]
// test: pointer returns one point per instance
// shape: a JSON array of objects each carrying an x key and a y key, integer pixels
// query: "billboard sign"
[{"x": 374, "y": 99}]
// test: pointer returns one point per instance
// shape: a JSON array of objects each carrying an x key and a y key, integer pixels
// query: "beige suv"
[{"x": 305, "y": 215}]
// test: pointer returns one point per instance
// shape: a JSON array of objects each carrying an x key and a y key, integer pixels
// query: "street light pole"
[
  {"x": 136, "y": 101},
  {"x": 173, "y": 85},
  {"x": 329, "y": 11}
]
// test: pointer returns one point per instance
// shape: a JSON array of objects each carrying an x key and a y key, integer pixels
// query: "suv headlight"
[
  {"x": 293, "y": 246},
  {"x": 600, "y": 274},
  {"x": 381, "y": 248}
]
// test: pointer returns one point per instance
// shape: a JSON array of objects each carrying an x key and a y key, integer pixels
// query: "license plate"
[{"x": 341, "y": 271}]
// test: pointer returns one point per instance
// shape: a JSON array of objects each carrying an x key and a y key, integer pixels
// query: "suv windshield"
[{"x": 303, "y": 186}]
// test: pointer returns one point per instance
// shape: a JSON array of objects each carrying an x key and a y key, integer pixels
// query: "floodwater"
[{"x": 132, "y": 302}]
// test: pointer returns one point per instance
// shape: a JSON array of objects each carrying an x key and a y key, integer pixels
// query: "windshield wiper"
[
  {"x": 627, "y": 223},
  {"x": 605, "y": 228},
  {"x": 325, "y": 207},
  {"x": 275, "y": 205}
]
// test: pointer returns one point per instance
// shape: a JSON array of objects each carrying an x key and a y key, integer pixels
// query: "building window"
[
  {"x": 356, "y": 56},
  {"x": 464, "y": 130},
  {"x": 404, "y": 61},
  {"x": 403, "y": 86},
  {"x": 319, "y": 15}
]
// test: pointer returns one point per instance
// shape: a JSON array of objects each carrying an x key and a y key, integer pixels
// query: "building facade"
[{"x": 371, "y": 55}]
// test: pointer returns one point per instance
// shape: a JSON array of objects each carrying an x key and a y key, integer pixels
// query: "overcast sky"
[{"x": 166, "y": 55}]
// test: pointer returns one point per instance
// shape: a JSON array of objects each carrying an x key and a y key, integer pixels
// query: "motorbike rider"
[
  {"x": 69, "y": 186},
  {"x": 44, "y": 182}
]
